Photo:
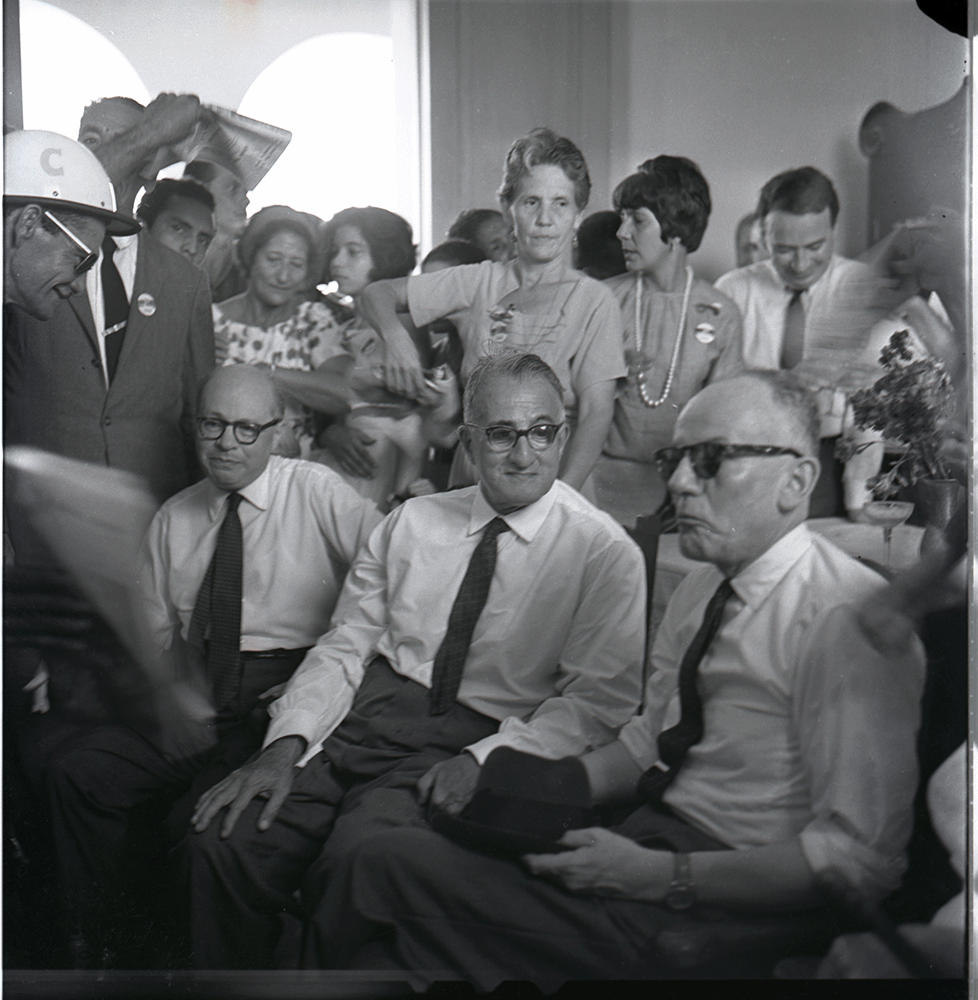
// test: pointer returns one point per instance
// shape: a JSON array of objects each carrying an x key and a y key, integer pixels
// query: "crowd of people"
[{"x": 393, "y": 557}]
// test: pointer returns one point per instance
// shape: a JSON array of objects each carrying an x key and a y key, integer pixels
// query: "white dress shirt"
[
  {"x": 808, "y": 731},
  {"x": 301, "y": 528},
  {"x": 125, "y": 263},
  {"x": 557, "y": 652}
]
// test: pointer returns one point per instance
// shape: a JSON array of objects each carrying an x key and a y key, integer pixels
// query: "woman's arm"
[
  {"x": 379, "y": 305},
  {"x": 326, "y": 390},
  {"x": 595, "y": 408}
]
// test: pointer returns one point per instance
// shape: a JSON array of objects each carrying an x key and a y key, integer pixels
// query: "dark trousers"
[
  {"x": 417, "y": 901},
  {"x": 363, "y": 781},
  {"x": 118, "y": 804}
]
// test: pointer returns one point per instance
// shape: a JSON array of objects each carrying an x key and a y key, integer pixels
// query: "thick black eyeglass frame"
[
  {"x": 706, "y": 457},
  {"x": 250, "y": 431},
  {"x": 507, "y": 437}
]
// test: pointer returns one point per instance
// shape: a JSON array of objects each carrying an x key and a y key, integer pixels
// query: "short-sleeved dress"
[
  {"x": 574, "y": 324},
  {"x": 625, "y": 481}
]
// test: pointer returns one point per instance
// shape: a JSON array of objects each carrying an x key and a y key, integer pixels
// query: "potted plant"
[{"x": 912, "y": 404}]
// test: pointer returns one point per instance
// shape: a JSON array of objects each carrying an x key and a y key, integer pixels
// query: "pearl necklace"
[{"x": 639, "y": 340}]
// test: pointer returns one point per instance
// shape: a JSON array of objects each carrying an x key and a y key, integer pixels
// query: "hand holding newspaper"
[{"x": 246, "y": 147}]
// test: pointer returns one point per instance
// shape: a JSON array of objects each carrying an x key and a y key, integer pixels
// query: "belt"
[{"x": 273, "y": 654}]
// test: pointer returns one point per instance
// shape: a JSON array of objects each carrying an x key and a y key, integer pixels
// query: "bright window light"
[
  {"x": 335, "y": 93},
  {"x": 65, "y": 65}
]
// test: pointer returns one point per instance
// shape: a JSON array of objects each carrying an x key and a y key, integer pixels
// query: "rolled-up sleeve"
[{"x": 857, "y": 715}]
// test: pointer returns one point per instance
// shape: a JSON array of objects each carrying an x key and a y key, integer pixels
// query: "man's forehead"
[
  {"x": 239, "y": 399},
  {"x": 508, "y": 400},
  {"x": 735, "y": 411},
  {"x": 109, "y": 118},
  {"x": 188, "y": 211},
  {"x": 786, "y": 227}
]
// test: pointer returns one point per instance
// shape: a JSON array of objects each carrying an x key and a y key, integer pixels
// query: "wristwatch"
[{"x": 681, "y": 894}]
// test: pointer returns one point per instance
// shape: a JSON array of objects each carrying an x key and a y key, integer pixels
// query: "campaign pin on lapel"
[
  {"x": 704, "y": 333},
  {"x": 146, "y": 304}
]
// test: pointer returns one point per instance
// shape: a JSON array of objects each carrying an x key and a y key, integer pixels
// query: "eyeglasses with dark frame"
[
  {"x": 707, "y": 456},
  {"x": 245, "y": 432},
  {"x": 502, "y": 437},
  {"x": 88, "y": 261}
]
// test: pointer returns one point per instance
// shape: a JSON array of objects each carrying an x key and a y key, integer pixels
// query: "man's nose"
[
  {"x": 77, "y": 284},
  {"x": 521, "y": 453},
  {"x": 227, "y": 441},
  {"x": 684, "y": 479}
]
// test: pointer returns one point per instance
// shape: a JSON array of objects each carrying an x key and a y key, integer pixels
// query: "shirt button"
[
  {"x": 95, "y": 362},
  {"x": 107, "y": 421}
]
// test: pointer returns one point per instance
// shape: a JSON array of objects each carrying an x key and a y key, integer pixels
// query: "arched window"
[
  {"x": 335, "y": 93},
  {"x": 65, "y": 65}
]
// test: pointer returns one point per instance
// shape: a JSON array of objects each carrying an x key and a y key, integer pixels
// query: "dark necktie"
[
  {"x": 793, "y": 344},
  {"x": 116, "y": 304},
  {"x": 216, "y": 622},
  {"x": 446, "y": 674},
  {"x": 674, "y": 743}
]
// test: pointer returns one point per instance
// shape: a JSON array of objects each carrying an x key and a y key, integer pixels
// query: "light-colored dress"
[{"x": 625, "y": 481}]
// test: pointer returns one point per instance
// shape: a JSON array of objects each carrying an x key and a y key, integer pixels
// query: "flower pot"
[{"x": 939, "y": 500}]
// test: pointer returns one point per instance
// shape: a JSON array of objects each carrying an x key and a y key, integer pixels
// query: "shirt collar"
[
  {"x": 257, "y": 493},
  {"x": 756, "y": 580},
  {"x": 525, "y": 522}
]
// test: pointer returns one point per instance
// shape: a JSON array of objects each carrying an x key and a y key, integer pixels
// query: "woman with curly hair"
[{"x": 534, "y": 304}]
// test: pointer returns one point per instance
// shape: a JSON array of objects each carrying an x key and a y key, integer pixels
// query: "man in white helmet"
[{"x": 58, "y": 204}]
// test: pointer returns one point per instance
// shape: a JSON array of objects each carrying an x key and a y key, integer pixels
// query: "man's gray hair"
[
  {"x": 794, "y": 399},
  {"x": 507, "y": 365}
]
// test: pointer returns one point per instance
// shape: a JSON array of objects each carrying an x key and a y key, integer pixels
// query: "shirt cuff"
[{"x": 296, "y": 722}]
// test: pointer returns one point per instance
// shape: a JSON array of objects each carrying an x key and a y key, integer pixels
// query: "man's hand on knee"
[
  {"x": 269, "y": 775},
  {"x": 450, "y": 783}
]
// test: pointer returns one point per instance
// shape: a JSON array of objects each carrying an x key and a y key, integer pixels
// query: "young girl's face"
[{"x": 351, "y": 264}]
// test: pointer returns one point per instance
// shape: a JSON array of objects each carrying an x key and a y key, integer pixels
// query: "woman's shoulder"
[{"x": 705, "y": 296}]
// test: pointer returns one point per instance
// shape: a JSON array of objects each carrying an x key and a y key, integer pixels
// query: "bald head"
[{"x": 108, "y": 118}]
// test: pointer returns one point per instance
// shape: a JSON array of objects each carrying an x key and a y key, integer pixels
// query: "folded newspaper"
[
  {"x": 94, "y": 519},
  {"x": 246, "y": 147}
]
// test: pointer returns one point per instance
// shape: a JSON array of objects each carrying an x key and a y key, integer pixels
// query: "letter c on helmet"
[{"x": 46, "y": 163}]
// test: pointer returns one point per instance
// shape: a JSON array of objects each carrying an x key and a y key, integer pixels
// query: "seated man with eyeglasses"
[
  {"x": 775, "y": 746},
  {"x": 241, "y": 574},
  {"x": 506, "y": 614}
]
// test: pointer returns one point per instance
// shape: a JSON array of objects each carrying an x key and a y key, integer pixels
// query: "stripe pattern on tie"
[
  {"x": 446, "y": 674},
  {"x": 675, "y": 743},
  {"x": 215, "y": 625}
]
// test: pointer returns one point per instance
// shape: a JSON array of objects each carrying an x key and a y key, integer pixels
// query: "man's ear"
[
  {"x": 562, "y": 437},
  {"x": 27, "y": 222},
  {"x": 797, "y": 486},
  {"x": 465, "y": 437}
]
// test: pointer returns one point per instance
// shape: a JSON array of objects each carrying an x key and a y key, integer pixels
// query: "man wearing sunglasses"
[
  {"x": 776, "y": 748},
  {"x": 299, "y": 528},
  {"x": 109, "y": 377},
  {"x": 506, "y": 614},
  {"x": 58, "y": 203}
]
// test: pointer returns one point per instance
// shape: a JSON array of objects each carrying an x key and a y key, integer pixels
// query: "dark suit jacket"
[{"x": 54, "y": 390}]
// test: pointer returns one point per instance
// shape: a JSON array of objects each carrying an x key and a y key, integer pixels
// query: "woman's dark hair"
[
  {"x": 153, "y": 202},
  {"x": 467, "y": 225},
  {"x": 274, "y": 219},
  {"x": 799, "y": 192},
  {"x": 453, "y": 253},
  {"x": 598, "y": 250},
  {"x": 674, "y": 190},
  {"x": 538, "y": 148},
  {"x": 389, "y": 237}
]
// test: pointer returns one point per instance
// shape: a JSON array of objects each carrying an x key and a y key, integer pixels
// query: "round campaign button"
[
  {"x": 704, "y": 333},
  {"x": 146, "y": 304}
]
